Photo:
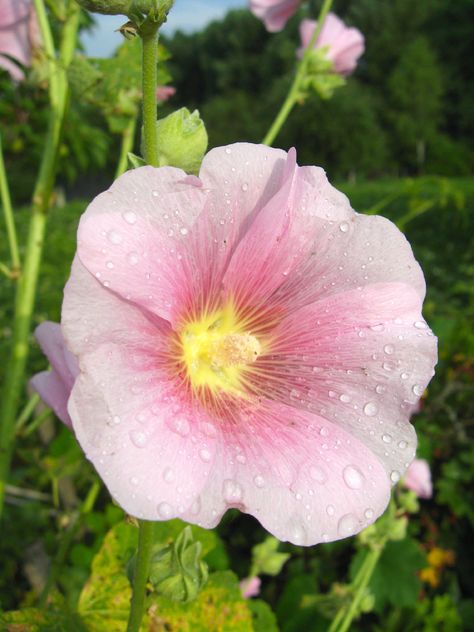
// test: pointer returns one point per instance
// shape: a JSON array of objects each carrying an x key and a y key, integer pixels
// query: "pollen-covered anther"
[{"x": 234, "y": 350}]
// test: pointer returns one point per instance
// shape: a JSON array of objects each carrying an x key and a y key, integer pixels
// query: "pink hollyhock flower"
[
  {"x": 344, "y": 45},
  {"x": 247, "y": 340},
  {"x": 418, "y": 478},
  {"x": 19, "y": 33},
  {"x": 163, "y": 93},
  {"x": 55, "y": 386},
  {"x": 250, "y": 587},
  {"x": 274, "y": 13}
]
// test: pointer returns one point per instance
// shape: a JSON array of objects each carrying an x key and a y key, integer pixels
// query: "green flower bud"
[
  {"x": 398, "y": 528},
  {"x": 182, "y": 140},
  {"x": 177, "y": 571},
  {"x": 266, "y": 559}
]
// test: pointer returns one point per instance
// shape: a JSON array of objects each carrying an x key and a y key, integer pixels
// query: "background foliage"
[{"x": 396, "y": 139}]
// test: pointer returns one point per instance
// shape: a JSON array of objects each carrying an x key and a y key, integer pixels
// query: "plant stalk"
[
  {"x": 140, "y": 575},
  {"x": 9, "y": 217},
  {"x": 294, "y": 91},
  {"x": 128, "y": 136},
  {"x": 42, "y": 197},
  {"x": 149, "y": 37}
]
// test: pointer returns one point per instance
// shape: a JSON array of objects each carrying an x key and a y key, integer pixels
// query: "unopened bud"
[{"x": 182, "y": 140}]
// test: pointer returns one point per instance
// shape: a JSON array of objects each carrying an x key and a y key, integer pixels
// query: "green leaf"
[
  {"x": 394, "y": 580},
  {"x": 35, "y": 620},
  {"x": 218, "y": 607},
  {"x": 264, "y": 619},
  {"x": 266, "y": 559},
  {"x": 105, "y": 599},
  {"x": 135, "y": 161}
]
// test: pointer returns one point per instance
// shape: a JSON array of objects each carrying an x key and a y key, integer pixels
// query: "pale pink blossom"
[
  {"x": 19, "y": 34},
  {"x": 250, "y": 587},
  {"x": 163, "y": 93},
  {"x": 55, "y": 386},
  {"x": 245, "y": 340},
  {"x": 418, "y": 478},
  {"x": 344, "y": 45},
  {"x": 274, "y": 13}
]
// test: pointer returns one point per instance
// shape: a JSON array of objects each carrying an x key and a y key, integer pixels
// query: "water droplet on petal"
[
  {"x": 110, "y": 265},
  {"x": 418, "y": 390},
  {"x": 168, "y": 475},
  {"x": 370, "y": 409},
  {"x": 134, "y": 480},
  {"x": 228, "y": 150},
  {"x": 348, "y": 525},
  {"x": 245, "y": 187},
  {"x": 165, "y": 510},
  {"x": 330, "y": 510},
  {"x": 369, "y": 514},
  {"x": 155, "y": 193},
  {"x": 324, "y": 432},
  {"x": 395, "y": 476},
  {"x": 139, "y": 439},
  {"x": 420, "y": 324},
  {"x": 205, "y": 455},
  {"x": 116, "y": 419},
  {"x": 343, "y": 227},
  {"x": 380, "y": 388},
  {"x": 317, "y": 474},
  {"x": 183, "y": 231},
  {"x": 389, "y": 349},
  {"x": 114, "y": 237},
  {"x": 179, "y": 425},
  {"x": 402, "y": 445},
  {"x": 353, "y": 477},
  {"x": 130, "y": 217},
  {"x": 345, "y": 398},
  {"x": 132, "y": 258},
  {"x": 231, "y": 491},
  {"x": 259, "y": 481}
]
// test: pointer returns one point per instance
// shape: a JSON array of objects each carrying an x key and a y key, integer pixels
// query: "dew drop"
[
  {"x": 380, "y": 388},
  {"x": 155, "y": 193},
  {"x": 386, "y": 438},
  {"x": 168, "y": 475},
  {"x": 116, "y": 419},
  {"x": 344, "y": 227},
  {"x": 132, "y": 258},
  {"x": 228, "y": 150},
  {"x": 317, "y": 474},
  {"x": 139, "y": 439},
  {"x": 259, "y": 481},
  {"x": 420, "y": 325},
  {"x": 114, "y": 237},
  {"x": 240, "y": 458},
  {"x": 345, "y": 398},
  {"x": 369, "y": 514},
  {"x": 110, "y": 265},
  {"x": 402, "y": 445},
  {"x": 180, "y": 425},
  {"x": 231, "y": 491},
  {"x": 183, "y": 231},
  {"x": 245, "y": 187},
  {"x": 165, "y": 510},
  {"x": 330, "y": 510},
  {"x": 130, "y": 217},
  {"x": 389, "y": 349},
  {"x": 395, "y": 476},
  {"x": 370, "y": 409},
  {"x": 134, "y": 480},
  {"x": 347, "y": 525},
  {"x": 418, "y": 390},
  {"x": 324, "y": 431},
  {"x": 353, "y": 477},
  {"x": 205, "y": 455}
]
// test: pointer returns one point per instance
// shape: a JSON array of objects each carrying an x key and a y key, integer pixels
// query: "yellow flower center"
[{"x": 217, "y": 351}]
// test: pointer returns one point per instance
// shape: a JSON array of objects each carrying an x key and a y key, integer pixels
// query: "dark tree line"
[{"x": 408, "y": 109}]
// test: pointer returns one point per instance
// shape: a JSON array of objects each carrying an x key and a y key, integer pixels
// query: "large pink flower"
[
  {"x": 274, "y": 13},
  {"x": 345, "y": 45},
  {"x": 19, "y": 33},
  {"x": 245, "y": 339}
]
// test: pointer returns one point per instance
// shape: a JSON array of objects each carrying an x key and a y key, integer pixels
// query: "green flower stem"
[
  {"x": 140, "y": 575},
  {"x": 149, "y": 35},
  {"x": 9, "y": 217},
  {"x": 128, "y": 136},
  {"x": 42, "y": 196},
  {"x": 67, "y": 540},
  {"x": 27, "y": 411},
  {"x": 295, "y": 88},
  {"x": 344, "y": 617}
]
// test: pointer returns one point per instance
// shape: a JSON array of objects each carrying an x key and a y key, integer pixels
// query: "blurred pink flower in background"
[
  {"x": 345, "y": 45},
  {"x": 418, "y": 478},
  {"x": 250, "y": 587},
  {"x": 19, "y": 34},
  {"x": 55, "y": 386},
  {"x": 245, "y": 340},
  {"x": 163, "y": 93},
  {"x": 274, "y": 13}
]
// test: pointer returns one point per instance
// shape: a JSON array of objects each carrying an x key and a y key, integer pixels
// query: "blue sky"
[{"x": 186, "y": 15}]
